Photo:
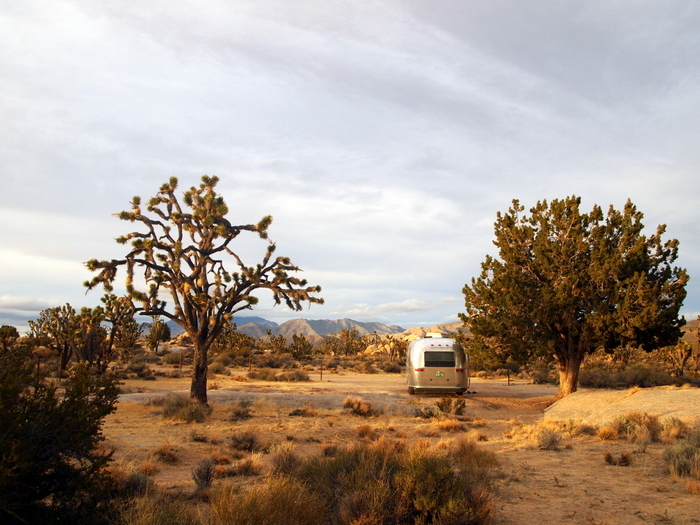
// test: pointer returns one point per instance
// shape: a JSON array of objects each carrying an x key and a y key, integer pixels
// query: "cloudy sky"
[{"x": 383, "y": 135}]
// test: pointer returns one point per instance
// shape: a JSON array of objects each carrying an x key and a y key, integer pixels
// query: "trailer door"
[{"x": 440, "y": 369}]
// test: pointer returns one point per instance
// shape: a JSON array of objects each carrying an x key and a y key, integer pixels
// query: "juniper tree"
[
  {"x": 51, "y": 470},
  {"x": 566, "y": 283},
  {"x": 184, "y": 250},
  {"x": 8, "y": 336}
]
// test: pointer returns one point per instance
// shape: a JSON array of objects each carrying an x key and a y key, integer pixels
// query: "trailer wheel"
[{"x": 411, "y": 391}]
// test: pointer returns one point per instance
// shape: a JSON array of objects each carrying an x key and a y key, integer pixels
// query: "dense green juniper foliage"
[
  {"x": 567, "y": 283},
  {"x": 50, "y": 470}
]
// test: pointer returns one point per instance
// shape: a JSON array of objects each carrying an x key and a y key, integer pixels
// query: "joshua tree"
[{"x": 181, "y": 251}]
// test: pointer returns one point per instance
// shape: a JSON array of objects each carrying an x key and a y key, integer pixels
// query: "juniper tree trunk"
[{"x": 569, "y": 367}]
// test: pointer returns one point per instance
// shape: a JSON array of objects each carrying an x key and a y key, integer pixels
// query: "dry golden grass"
[
  {"x": 149, "y": 467},
  {"x": 449, "y": 425},
  {"x": 221, "y": 457},
  {"x": 693, "y": 486},
  {"x": 166, "y": 453},
  {"x": 607, "y": 433},
  {"x": 366, "y": 431}
]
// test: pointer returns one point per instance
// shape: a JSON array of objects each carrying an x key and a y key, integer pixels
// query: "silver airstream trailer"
[{"x": 436, "y": 364}]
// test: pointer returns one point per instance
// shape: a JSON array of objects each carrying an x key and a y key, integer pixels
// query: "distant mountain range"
[
  {"x": 312, "y": 328},
  {"x": 315, "y": 328}
]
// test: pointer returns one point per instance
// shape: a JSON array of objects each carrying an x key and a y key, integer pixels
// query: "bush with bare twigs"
[{"x": 359, "y": 407}]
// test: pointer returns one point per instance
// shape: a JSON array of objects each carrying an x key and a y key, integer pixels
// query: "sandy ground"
[{"x": 571, "y": 485}]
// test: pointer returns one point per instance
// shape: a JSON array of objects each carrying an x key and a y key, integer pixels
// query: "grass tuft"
[
  {"x": 167, "y": 454},
  {"x": 203, "y": 474}
]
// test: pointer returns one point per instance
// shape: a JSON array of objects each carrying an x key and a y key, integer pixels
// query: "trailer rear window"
[{"x": 439, "y": 359}]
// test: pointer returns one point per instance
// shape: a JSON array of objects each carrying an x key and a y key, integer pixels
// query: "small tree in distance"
[
  {"x": 182, "y": 252},
  {"x": 159, "y": 332},
  {"x": 568, "y": 283}
]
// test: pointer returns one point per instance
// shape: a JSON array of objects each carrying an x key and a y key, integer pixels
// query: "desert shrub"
[
  {"x": 281, "y": 500},
  {"x": 645, "y": 376},
  {"x": 217, "y": 367},
  {"x": 220, "y": 457},
  {"x": 638, "y": 426},
  {"x": 141, "y": 369},
  {"x": 203, "y": 474},
  {"x": 307, "y": 411},
  {"x": 385, "y": 483},
  {"x": 246, "y": 441},
  {"x": 245, "y": 466},
  {"x": 359, "y": 407},
  {"x": 427, "y": 412},
  {"x": 329, "y": 449},
  {"x": 622, "y": 460},
  {"x": 240, "y": 411},
  {"x": 129, "y": 482},
  {"x": 454, "y": 406},
  {"x": 50, "y": 467},
  {"x": 198, "y": 437},
  {"x": 597, "y": 377},
  {"x": 365, "y": 367},
  {"x": 181, "y": 407},
  {"x": 607, "y": 433},
  {"x": 262, "y": 374},
  {"x": 224, "y": 359},
  {"x": 292, "y": 376},
  {"x": 674, "y": 428},
  {"x": 390, "y": 367},
  {"x": 476, "y": 465},
  {"x": 250, "y": 466},
  {"x": 146, "y": 358},
  {"x": 158, "y": 509},
  {"x": 270, "y": 360},
  {"x": 547, "y": 438},
  {"x": 683, "y": 459},
  {"x": 172, "y": 358},
  {"x": 542, "y": 375},
  {"x": 167, "y": 453},
  {"x": 284, "y": 459},
  {"x": 366, "y": 431}
]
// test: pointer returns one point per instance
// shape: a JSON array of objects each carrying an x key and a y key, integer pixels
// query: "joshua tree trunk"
[{"x": 198, "y": 390}]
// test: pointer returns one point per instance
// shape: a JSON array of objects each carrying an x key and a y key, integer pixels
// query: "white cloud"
[{"x": 24, "y": 304}]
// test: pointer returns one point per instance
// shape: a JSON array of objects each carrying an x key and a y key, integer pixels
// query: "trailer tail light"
[
  {"x": 420, "y": 369},
  {"x": 459, "y": 369}
]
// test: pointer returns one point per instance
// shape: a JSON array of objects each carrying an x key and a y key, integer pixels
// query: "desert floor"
[{"x": 570, "y": 485}]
